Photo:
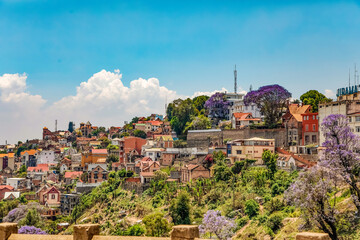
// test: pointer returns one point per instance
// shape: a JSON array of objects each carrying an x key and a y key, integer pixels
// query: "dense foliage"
[{"x": 313, "y": 98}]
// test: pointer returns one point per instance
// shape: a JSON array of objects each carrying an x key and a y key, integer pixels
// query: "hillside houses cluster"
[{"x": 56, "y": 169}]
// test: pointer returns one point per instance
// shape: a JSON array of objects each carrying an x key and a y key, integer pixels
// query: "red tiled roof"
[
  {"x": 244, "y": 117},
  {"x": 72, "y": 175},
  {"x": 297, "y": 158},
  {"x": 39, "y": 168},
  {"x": 6, "y": 186},
  {"x": 99, "y": 151}
]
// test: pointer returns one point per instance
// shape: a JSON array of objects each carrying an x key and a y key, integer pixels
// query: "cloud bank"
[{"x": 103, "y": 100}]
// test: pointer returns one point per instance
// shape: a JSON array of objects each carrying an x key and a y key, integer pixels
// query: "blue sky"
[
  {"x": 188, "y": 45},
  {"x": 164, "y": 50}
]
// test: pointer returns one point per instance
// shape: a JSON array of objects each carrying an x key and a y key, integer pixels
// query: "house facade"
[{"x": 252, "y": 148}]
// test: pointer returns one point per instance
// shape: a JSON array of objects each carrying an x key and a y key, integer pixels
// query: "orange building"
[{"x": 93, "y": 156}]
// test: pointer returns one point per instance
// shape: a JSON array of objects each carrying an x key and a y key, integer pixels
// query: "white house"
[
  {"x": 46, "y": 157},
  {"x": 17, "y": 183},
  {"x": 286, "y": 162}
]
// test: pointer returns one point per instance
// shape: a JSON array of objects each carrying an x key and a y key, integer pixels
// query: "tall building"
[
  {"x": 347, "y": 104},
  {"x": 237, "y": 105}
]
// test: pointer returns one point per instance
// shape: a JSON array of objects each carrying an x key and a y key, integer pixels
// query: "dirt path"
[{"x": 241, "y": 230}]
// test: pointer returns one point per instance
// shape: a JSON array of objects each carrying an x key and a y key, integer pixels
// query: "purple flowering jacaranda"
[
  {"x": 217, "y": 106},
  {"x": 271, "y": 100},
  {"x": 31, "y": 230},
  {"x": 214, "y": 223},
  {"x": 341, "y": 154}
]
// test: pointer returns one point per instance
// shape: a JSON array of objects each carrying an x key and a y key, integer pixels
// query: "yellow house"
[{"x": 251, "y": 148}]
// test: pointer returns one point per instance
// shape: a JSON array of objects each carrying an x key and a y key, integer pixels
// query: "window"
[
  {"x": 349, "y": 119},
  {"x": 357, "y": 118},
  {"x": 357, "y": 129},
  {"x": 52, "y": 196},
  {"x": 317, "y": 117},
  {"x": 314, "y": 127},
  {"x": 313, "y": 138},
  {"x": 307, "y": 127},
  {"x": 313, "y": 117},
  {"x": 238, "y": 152}
]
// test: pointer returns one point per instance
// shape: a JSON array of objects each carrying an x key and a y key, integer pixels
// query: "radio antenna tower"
[
  {"x": 55, "y": 125},
  {"x": 235, "y": 80},
  {"x": 349, "y": 77},
  {"x": 355, "y": 73}
]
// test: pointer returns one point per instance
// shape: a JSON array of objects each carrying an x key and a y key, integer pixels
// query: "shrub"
[
  {"x": 156, "y": 225},
  {"x": 135, "y": 230},
  {"x": 242, "y": 221},
  {"x": 274, "y": 222},
  {"x": 251, "y": 208}
]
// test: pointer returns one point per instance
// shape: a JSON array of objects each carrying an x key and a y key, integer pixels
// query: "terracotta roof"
[
  {"x": 297, "y": 158},
  {"x": 30, "y": 152},
  {"x": 99, "y": 151},
  {"x": 39, "y": 168},
  {"x": 296, "y": 110},
  {"x": 72, "y": 175},
  {"x": 245, "y": 117},
  {"x": 6, "y": 186},
  {"x": 9, "y": 155},
  {"x": 155, "y": 123},
  {"x": 284, "y": 157},
  {"x": 146, "y": 159}
]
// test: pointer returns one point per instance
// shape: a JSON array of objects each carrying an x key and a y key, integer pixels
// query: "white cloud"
[
  {"x": 19, "y": 110},
  {"x": 196, "y": 94},
  {"x": 329, "y": 93}
]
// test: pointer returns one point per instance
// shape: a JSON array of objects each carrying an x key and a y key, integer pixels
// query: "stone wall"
[
  {"x": 8, "y": 231},
  {"x": 206, "y": 139}
]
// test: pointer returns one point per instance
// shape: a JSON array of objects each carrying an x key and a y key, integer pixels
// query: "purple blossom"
[
  {"x": 219, "y": 225},
  {"x": 31, "y": 230},
  {"x": 311, "y": 192},
  {"x": 271, "y": 100},
  {"x": 341, "y": 154},
  {"x": 217, "y": 106}
]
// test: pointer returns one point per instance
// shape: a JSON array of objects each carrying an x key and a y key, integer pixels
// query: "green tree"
[
  {"x": 112, "y": 147},
  {"x": 199, "y": 102},
  {"x": 270, "y": 160},
  {"x": 160, "y": 176},
  {"x": 251, "y": 208},
  {"x": 180, "y": 112},
  {"x": 218, "y": 156},
  {"x": 238, "y": 166},
  {"x": 105, "y": 142},
  {"x": 199, "y": 122},
  {"x": 135, "y": 230},
  {"x": 32, "y": 218},
  {"x": 222, "y": 171},
  {"x": 156, "y": 225},
  {"x": 180, "y": 209},
  {"x": 176, "y": 125},
  {"x": 313, "y": 98},
  {"x": 139, "y": 133}
]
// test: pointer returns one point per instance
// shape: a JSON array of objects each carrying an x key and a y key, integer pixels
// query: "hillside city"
[{"x": 260, "y": 165}]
